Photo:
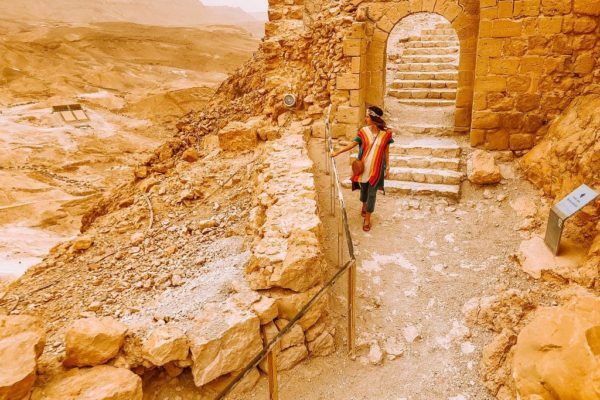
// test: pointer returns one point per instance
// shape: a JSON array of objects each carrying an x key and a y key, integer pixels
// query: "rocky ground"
[{"x": 133, "y": 81}]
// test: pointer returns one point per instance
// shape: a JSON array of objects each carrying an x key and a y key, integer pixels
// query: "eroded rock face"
[
  {"x": 556, "y": 355},
  {"x": 568, "y": 156},
  {"x": 93, "y": 341},
  {"x": 97, "y": 383},
  {"x": 223, "y": 344},
  {"x": 166, "y": 344},
  {"x": 482, "y": 168},
  {"x": 22, "y": 341}
]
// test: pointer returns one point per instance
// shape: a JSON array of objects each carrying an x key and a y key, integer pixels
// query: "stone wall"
[
  {"x": 366, "y": 46},
  {"x": 533, "y": 58},
  {"x": 521, "y": 63}
]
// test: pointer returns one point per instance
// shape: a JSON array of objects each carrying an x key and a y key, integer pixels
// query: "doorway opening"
[{"x": 423, "y": 53}]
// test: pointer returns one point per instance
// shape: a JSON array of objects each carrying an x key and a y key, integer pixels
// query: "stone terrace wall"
[{"x": 533, "y": 58}]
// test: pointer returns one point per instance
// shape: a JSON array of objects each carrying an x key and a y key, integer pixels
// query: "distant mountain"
[
  {"x": 261, "y": 16},
  {"x": 183, "y": 13}
]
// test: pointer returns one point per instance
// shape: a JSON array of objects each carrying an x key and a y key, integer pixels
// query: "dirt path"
[{"x": 423, "y": 260}]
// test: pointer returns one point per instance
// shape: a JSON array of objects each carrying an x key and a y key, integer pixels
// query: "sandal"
[{"x": 366, "y": 228}]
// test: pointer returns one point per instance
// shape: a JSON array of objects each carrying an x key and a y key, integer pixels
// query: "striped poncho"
[{"x": 372, "y": 152}]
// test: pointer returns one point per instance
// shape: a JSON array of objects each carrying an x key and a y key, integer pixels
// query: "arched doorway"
[
  {"x": 422, "y": 75},
  {"x": 371, "y": 63}
]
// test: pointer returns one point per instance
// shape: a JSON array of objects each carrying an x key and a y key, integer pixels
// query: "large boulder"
[
  {"x": 98, "y": 383},
  {"x": 166, "y": 344},
  {"x": 240, "y": 136},
  {"x": 93, "y": 341},
  {"x": 221, "y": 344},
  {"x": 557, "y": 355},
  {"x": 482, "y": 168},
  {"x": 22, "y": 340}
]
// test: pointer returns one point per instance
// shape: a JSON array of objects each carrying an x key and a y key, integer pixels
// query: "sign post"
[{"x": 566, "y": 208}]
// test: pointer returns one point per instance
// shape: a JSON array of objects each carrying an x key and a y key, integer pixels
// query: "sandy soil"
[{"x": 133, "y": 81}]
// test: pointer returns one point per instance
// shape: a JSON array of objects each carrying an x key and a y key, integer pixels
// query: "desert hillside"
[{"x": 134, "y": 81}]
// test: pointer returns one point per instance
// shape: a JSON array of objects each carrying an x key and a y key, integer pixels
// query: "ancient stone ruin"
[{"x": 223, "y": 235}]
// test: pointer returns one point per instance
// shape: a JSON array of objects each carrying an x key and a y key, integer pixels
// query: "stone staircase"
[
  {"x": 426, "y": 70},
  {"x": 424, "y": 166}
]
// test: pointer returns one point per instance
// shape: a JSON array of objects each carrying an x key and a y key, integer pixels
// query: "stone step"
[
  {"x": 418, "y": 93},
  {"x": 425, "y": 129},
  {"x": 425, "y": 175},
  {"x": 413, "y": 188},
  {"x": 427, "y": 76},
  {"x": 444, "y": 25},
  {"x": 436, "y": 44},
  {"x": 437, "y": 31},
  {"x": 400, "y": 84},
  {"x": 427, "y": 67},
  {"x": 411, "y": 59},
  {"x": 433, "y": 38},
  {"x": 434, "y": 51},
  {"x": 408, "y": 161},
  {"x": 427, "y": 102},
  {"x": 427, "y": 147}
]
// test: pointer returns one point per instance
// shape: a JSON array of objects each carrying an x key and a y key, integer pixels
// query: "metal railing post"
[
  {"x": 340, "y": 237},
  {"x": 352, "y": 309},
  {"x": 273, "y": 383}
]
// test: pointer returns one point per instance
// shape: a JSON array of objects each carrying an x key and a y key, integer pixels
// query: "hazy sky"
[{"x": 248, "y": 5}]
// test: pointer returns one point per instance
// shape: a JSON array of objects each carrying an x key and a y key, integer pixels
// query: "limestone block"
[
  {"x": 348, "y": 115},
  {"x": 482, "y": 168},
  {"x": 294, "y": 337},
  {"x": 490, "y": 83},
  {"x": 497, "y": 140},
  {"x": 486, "y": 120},
  {"x": 289, "y": 358},
  {"x": 553, "y": 356},
  {"x": 11, "y": 325},
  {"x": 589, "y": 7},
  {"x": 222, "y": 344},
  {"x": 584, "y": 64},
  {"x": 290, "y": 306},
  {"x": 347, "y": 131},
  {"x": 18, "y": 364},
  {"x": 239, "y": 136},
  {"x": 348, "y": 81},
  {"x": 97, "y": 383},
  {"x": 521, "y": 141},
  {"x": 93, "y": 341},
  {"x": 322, "y": 346},
  {"x": 218, "y": 385},
  {"x": 354, "y": 47},
  {"x": 302, "y": 266},
  {"x": 357, "y": 31},
  {"x": 266, "y": 309},
  {"x": 166, "y": 344}
]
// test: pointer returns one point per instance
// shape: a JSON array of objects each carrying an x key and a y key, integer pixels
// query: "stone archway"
[{"x": 367, "y": 46}]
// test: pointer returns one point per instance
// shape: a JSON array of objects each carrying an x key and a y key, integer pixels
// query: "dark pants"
[{"x": 368, "y": 194}]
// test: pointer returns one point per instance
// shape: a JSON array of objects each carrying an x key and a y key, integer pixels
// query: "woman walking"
[{"x": 374, "y": 153}]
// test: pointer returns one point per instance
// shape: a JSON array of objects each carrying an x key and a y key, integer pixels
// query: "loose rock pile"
[{"x": 158, "y": 279}]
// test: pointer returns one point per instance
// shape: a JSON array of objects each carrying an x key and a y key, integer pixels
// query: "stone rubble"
[{"x": 93, "y": 341}]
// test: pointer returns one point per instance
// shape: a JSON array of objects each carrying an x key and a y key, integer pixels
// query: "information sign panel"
[{"x": 565, "y": 209}]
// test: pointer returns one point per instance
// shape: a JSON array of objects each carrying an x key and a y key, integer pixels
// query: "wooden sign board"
[{"x": 566, "y": 208}]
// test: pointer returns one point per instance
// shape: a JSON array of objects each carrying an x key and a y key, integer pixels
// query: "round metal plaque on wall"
[{"x": 289, "y": 100}]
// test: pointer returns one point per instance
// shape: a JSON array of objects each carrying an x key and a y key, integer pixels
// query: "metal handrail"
[{"x": 348, "y": 266}]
